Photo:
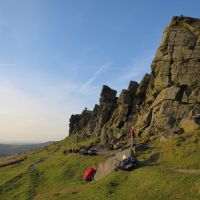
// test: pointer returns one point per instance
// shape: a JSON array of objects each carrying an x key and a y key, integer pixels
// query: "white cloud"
[{"x": 88, "y": 83}]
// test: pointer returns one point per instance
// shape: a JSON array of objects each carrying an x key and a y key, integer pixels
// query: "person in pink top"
[{"x": 132, "y": 135}]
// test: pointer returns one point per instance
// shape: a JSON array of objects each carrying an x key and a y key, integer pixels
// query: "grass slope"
[{"x": 49, "y": 174}]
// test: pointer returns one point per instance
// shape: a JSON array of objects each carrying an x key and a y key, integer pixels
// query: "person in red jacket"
[{"x": 132, "y": 135}]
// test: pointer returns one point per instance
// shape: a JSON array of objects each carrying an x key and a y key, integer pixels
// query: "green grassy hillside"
[{"x": 168, "y": 170}]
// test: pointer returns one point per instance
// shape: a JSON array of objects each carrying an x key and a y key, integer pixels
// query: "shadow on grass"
[{"x": 151, "y": 161}]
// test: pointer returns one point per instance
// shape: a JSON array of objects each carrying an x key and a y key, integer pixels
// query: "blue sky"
[{"x": 55, "y": 55}]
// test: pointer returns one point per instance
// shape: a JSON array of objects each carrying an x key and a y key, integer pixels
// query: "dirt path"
[{"x": 32, "y": 166}]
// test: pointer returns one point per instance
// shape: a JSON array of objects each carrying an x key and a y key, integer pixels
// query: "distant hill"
[{"x": 10, "y": 149}]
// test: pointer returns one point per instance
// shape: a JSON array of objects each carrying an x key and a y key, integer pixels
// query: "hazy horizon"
[
  {"x": 22, "y": 143},
  {"x": 56, "y": 55}
]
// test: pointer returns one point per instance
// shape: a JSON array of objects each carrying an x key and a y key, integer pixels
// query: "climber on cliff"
[{"x": 133, "y": 139}]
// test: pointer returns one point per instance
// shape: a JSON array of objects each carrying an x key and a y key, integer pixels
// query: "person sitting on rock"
[{"x": 133, "y": 139}]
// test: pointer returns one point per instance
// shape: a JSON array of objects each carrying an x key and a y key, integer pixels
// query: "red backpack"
[{"x": 89, "y": 174}]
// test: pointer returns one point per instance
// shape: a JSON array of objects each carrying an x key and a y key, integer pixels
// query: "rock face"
[
  {"x": 162, "y": 99},
  {"x": 110, "y": 164},
  {"x": 91, "y": 122},
  {"x": 190, "y": 125}
]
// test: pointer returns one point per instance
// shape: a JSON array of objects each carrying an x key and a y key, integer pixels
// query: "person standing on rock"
[{"x": 132, "y": 135}]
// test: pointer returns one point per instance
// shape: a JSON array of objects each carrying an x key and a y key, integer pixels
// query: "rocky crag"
[{"x": 160, "y": 102}]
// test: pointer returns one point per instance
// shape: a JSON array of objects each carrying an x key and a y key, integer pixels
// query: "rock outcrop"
[
  {"x": 159, "y": 103},
  {"x": 91, "y": 122},
  {"x": 190, "y": 125}
]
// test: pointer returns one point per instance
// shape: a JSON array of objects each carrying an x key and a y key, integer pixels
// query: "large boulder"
[
  {"x": 110, "y": 164},
  {"x": 108, "y": 95}
]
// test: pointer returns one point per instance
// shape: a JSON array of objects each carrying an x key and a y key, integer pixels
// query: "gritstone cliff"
[{"x": 158, "y": 104}]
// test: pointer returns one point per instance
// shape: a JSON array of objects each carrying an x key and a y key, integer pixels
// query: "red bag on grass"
[{"x": 89, "y": 174}]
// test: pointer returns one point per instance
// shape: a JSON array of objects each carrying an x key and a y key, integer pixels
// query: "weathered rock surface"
[
  {"x": 162, "y": 99},
  {"x": 91, "y": 122},
  {"x": 190, "y": 125},
  {"x": 110, "y": 164}
]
